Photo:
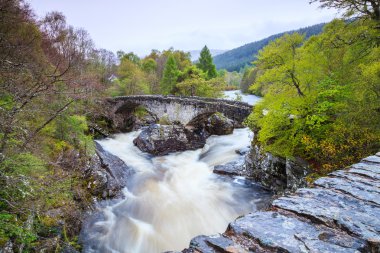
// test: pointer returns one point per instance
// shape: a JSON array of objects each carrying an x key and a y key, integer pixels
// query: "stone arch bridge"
[{"x": 186, "y": 110}]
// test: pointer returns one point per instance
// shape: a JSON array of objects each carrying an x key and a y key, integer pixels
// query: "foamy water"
[{"x": 172, "y": 198}]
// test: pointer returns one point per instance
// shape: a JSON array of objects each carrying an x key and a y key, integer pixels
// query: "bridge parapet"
[{"x": 181, "y": 109}]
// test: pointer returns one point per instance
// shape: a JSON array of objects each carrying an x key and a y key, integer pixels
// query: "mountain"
[
  {"x": 196, "y": 53},
  {"x": 235, "y": 59}
]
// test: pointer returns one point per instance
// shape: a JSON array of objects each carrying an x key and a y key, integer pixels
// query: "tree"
[
  {"x": 249, "y": 77},
  {"x": 131, "y": 78},
  {"x": 336, "y": 120},
  {"x": 280, "y": 62},
  {"x": 369, "y": 8},
  {"x": 198, "y": 86},
  {"x": 206, "y": 64},
  {"x": 170, "y": 76}
]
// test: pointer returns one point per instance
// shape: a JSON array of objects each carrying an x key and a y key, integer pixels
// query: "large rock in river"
[
  {"x": 164, "y": 139},
  {"x": 219, "y": 124},
  {"x": 107, "y": 175}
]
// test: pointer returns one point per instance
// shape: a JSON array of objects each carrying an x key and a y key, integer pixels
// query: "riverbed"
[{"x": 172, "y": 198}]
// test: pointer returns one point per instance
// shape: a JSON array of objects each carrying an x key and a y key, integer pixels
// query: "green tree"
[
  {"x": 131, "y": 78},
  {"x": 280, "y": 59},
  {"x": 206, "y": 64},
  {"x": 336, "y": 119},
  {"x": 170, "y": 76},
  {"x": 197, "y": 86},
  {"x": 249, "y": 77}
]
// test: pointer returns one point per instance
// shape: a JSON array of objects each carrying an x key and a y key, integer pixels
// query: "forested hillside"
[
  {"x": 51, "y": 75},
  {"x": 237, "y": 58},
  {"x": 321, "y": 95}
]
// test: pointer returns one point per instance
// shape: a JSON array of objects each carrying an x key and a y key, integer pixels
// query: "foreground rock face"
[
  {"x": 108, "y": 175},
  {"x": 276, "y": 173},
  {"x": 340, "y": 214},
  {"x": 165, "y": 139}
]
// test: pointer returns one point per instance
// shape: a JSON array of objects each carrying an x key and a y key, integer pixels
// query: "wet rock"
[
  {"x": 296, "y": 171},
  {"x": 276, "y": 173},
  {"x": 268, "y": 169},
  {"x": 165, "y": 139},
  {"x": 243, "y": 151},
  {"x": 234, "y": 168},
  {"x": 333, "y": 208},
  {"x": 108, "y": 174},
  {"x": 378, "y": 153},
  {"x": 218, "y": 124},
  {"x": 214, "y": 244},
  {"x": 282, "y": 233}
]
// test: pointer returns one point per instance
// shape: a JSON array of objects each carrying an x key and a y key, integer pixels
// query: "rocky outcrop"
[
  {"x": 276, "y": 173},
  {"x": 165, "y": 139},
  {"x": 237, "y": 167},
  {"x": 218, "y": 124},
  {"x": 107, "y": 175},
  {"x": 340, "y": 214}
]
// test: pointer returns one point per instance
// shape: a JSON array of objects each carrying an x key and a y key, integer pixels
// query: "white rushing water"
[{"x": 171, "y": 199}]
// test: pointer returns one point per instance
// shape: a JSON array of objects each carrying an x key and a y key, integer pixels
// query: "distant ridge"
[{"x": 235, "y": 59}]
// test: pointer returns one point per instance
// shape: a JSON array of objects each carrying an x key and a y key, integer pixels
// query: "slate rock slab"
[
  {"x": 372, "y": 159},
  {"x": 214, "y": 244},
  {"x": 332, "y": 208},
  {"x": 355, "y": 175},
  {"x": 366, "y": 192},
  {"x": 288, "y": 234}
]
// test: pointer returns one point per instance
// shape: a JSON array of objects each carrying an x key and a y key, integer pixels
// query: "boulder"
[
  {"x": 218, "y": 124},
  {"x": 276, "y": 173},
  {"x": 107, "y": 174},
  {"x": 234, "y": 168},
  {"x": 164, "y": 139}
]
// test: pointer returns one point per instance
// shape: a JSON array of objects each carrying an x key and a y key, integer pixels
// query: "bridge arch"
[{"x": 185, "y": 110}]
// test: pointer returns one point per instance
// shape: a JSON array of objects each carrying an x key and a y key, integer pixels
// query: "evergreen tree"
[
  {"x": 170, "y": 76},
  {"x": 206, "y": 64}
]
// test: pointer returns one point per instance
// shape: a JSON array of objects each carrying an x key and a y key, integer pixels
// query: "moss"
[
  {"x": 49, "y": 221},
  {"x": 164, "y": 120}
]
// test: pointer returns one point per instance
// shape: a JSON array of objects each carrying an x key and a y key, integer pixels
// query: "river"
[
  {"x": 172, "y": 198},
  {"x": 248, "y": 98}
]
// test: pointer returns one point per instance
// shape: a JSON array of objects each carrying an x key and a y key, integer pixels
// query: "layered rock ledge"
[{"x": 341, "y": 213}]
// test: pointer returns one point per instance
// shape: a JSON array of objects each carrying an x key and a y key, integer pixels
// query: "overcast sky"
[{"x": 142, "y": 25}]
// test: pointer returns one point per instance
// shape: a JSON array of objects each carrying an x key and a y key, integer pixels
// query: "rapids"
[{"x": 171, "y": 198}]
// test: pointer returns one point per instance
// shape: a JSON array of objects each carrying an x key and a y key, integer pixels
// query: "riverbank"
[{"x": 341, "y": 213}]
